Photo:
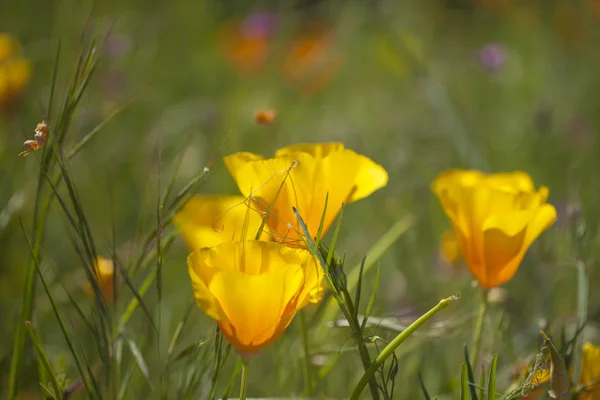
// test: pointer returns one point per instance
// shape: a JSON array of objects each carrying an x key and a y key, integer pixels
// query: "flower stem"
[
  {"x": 397, "y": 341},
  {"x": 307, "y": 374},
  {"x": 477, "y": 335},
  {"x": 243, "y": 381}
]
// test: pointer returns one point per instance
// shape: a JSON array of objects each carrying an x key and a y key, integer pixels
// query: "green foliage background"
[{"x": 411, "y": 94}]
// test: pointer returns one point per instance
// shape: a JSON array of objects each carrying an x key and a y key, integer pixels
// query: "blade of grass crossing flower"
[
  {"x": 491, "y": 388},
  {"x": 464, "y": 382},
  {"x": 423, "y": 388},
  {"x": 397, "y": 341},
  {"x": 470, "y": 375},
  {"x": 321, "y": 222},
  {"x": 560, "y": 384},
  {"x": 59, "y": 318},
  {"x": 582, "y": 306},
  {"x": 44, "y": 361},
  {"x": 336, "y": 234}
]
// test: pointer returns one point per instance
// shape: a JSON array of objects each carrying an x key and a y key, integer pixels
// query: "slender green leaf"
[
  {"x": 492, "y": 382},
  {"x": 44, "y": 360},
  {"x": 464, "y": 382},
  {"x": 470, "y": 375},
  {"x": 139, "y": 359},
  {"x": 423, "y": 388}
]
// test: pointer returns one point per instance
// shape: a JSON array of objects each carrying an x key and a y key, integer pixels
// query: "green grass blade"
[
  {"x": 491, "y": 389},
  {"x": 464, "y": 382},
  {"x": 423, "y": 388},
  {"x": 373, "y": 255},
  {"x": 470, "y": 375},
  {"x": 482, "y": 383},
  {"x": 322, "y": 222},
  {"x": 582, "y": 306},
  {"x": 359, "y": 288},
  {"x": 91, "y": 134},
  {"x": 371, "y": 301},
  {"x": 44, "y": 360},
  {"x": 139, "y": 359},
  {"x": 59, "y": 318}
]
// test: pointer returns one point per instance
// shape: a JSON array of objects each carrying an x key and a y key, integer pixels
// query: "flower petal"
[
  {"x": 254, "y": 304},
  {"x": 201, "y": 274},
  {"x": 206, "y": 221},
  {"x": 318, "y": 150}
]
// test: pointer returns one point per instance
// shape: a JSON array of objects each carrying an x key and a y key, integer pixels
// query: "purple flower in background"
[
  {"x": 259, "y": 25},
  {"x": 492, "y": 56}
]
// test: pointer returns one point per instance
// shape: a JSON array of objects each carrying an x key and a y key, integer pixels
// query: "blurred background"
[{"x": 419, "y": 87}]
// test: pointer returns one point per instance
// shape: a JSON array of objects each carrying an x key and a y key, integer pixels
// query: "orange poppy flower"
[
  {"x": 495, "y": 217},
  {"x": 253, "y": 289},
  {"x": 245, "y": 44},
  {"x": 311, "y": 61}
]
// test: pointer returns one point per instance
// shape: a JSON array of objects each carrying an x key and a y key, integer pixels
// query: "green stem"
[
  {"x": 307, "y": 374},
  {"x": 349, "y": 314},
  {"x": 243, "y": 381},
  {"x": 397, "y": 341},
  {"x": 477, "y": 335}
]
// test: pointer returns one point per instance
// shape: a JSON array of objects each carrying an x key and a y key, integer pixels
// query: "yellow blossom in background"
[
  {"x": 15, "y": 72},
  {"x": 253, "y": 288},
  {"x": 590, "y": 372},
  {"x": 206, "y": 221},
  {"x": 495, "y": 217},
  {"x": 301, "y": 176},
  {"x": 105, "y": 270},
  {"x": 589, "y": 380}
]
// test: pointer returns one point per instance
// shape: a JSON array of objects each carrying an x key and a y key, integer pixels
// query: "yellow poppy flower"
[
  {"x": 206, "y": 221},
  {"x": 301, "y": 176},
  {"x": 589, "y": 380},
  {"x": 495, "y": 217},
  {"x": 253, "y": 289},
  {"x": 105, "y": 270},
  {"x": 590, "y": 373},
  {"x": 15, "y": 72}
]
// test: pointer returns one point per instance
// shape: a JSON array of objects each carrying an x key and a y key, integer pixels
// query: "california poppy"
[
  {"x": 495, "y": 217},
  {"x": 311, "y": 60},
  {"x": 245, "y": 44},
  {"x": 302, "y": 176},
  {"x": 253, "y": 288}
]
